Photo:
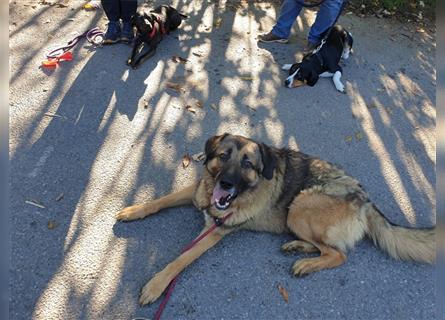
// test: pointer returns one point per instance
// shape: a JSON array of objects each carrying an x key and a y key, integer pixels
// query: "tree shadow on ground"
[{"x": 122, "y": 136}]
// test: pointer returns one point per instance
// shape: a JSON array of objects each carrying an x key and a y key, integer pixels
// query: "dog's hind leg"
[
  {"x": 299, "y": 245},
  {"x": 150, "y": 53},
  {"x": 329, "y": 224},
  {"x": 154, "y": 288},
  {"x": 140, "y": 211},
  {"x": 329, "y": 258}
]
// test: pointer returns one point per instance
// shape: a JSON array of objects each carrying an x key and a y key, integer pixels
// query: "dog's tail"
[{"x": 401, "y": 243}]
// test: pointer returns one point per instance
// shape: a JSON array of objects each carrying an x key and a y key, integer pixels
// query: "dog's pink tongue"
[{"x": 218, "y": 193}]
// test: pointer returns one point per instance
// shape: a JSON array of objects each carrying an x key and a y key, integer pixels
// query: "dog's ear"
[
  {"x": 294, "y": 68},
  {"x": 269, "y": 160},
  {"x": 312, "y": 79},
  {"x": 211, "y": 145}
]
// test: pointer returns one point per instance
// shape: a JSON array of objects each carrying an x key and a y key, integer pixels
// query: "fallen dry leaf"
[
  {"x": 60, "y": 197},
  {"x": 186, "y": 160},
  {"x": 175, "y": 86},
  {"x": 197, "y": 54},
  {"x": 190, "y": 109},
  {"x": 51, "y": 224},
  {"x": 358, "y": 135},
  {"x": 284, "y": 293},
  {"x": 199, "y": 104},
  {"x": 198, "y": 156},
  {"x": 217, "y": 22},
  {"x": 213, "y": 106},
  {"x": 247, "y": 78},
  {"x": 348, "y": 138},
  {"x": 179, "y": 59}
]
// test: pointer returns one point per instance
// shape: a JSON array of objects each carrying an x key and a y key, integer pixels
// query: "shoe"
[
  {"x": 310, "y": 47},
  {"x": 127, "y": 34},
  {"x": 270, "y": 37},
  {"x": 113, "y": 33}
]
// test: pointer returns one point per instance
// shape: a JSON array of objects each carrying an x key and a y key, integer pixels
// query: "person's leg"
[
  {"x": 112, "y": 11},
  {"x": 290, "y": 9},
  {"x": 128, "y": 9},
  {"x": 328, "y": 12}
]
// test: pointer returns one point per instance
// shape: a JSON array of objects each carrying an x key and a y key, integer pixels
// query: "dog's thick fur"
[
  {"x": 282, "y": 191},
  {"x": 162, "y": 19},
  {"x": 323, "y": 61}
]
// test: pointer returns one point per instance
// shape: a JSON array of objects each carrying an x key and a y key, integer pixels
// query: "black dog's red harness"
[{"x": 160, "y": 24}]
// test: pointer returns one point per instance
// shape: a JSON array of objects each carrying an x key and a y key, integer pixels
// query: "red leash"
[{"x": 218, "y": 222}]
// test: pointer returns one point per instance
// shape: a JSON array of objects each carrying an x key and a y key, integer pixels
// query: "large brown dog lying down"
[{"x": 282, "y": 190}]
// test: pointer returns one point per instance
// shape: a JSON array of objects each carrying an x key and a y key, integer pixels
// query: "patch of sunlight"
[
  {"x": 300, "y": 24},
  {"x": 274, "y": 130},
  {"x": 125, "y": 75},
  {"x": 184, "y": 178},
  {"x": 108, "y": 113},
  {"x": 106, "y": 285},
  {"x": 410, "y": 87},
  {"x": 194, "y": 130},
  {"x": 388, "y": 170},
  {"x": 416, "y": 173},
  {"x": 392, "y": 89},
  {"x": 309, "y": 16},
  {"x": 155, "y": 76},
  {"x": 92, "y": 267},
  {"x": 158, "y": 113},
  {"x": 292, "y": 143},
  {"x": 384, "y": 112}
]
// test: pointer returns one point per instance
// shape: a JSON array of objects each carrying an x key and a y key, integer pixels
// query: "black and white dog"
[
  {"x": 151, "y": 26},
  {"x": 322, "y": 62}
]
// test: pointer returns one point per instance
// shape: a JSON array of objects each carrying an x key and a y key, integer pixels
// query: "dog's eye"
[
  {"x": 246, "y": 164},
  {"x": 224, "y": 156}
]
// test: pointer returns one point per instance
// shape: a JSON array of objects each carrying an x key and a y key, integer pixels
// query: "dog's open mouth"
[{"x": 222, "y": 198}]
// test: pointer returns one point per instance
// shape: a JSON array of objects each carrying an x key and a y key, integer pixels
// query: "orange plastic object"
[
  {"x": 66, "y": 56},
  {"x": 53, "y": 62},
  {"x": 50, "y": 63}
]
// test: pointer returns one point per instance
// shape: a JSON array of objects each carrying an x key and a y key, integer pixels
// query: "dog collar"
[
  {"x": 320, "y": 59},
  {"x": 160, "y": 25}
]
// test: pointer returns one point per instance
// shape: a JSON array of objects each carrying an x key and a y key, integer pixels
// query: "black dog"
[
  {"x": 151, "y": 25},
  {"x": 322, "y": 62}
]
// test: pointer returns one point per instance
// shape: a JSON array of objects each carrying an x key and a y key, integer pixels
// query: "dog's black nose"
[
  {"x": 286, "y": 82},
  {"x": 226, "y": 185}
]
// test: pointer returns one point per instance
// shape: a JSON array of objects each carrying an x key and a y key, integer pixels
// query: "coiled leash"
[
  {"x": 94, "y": 36},
  {"x": 217, "y": 223}
]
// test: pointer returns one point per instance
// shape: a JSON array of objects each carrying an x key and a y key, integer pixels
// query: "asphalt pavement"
[{"x": 93, "y": 136}]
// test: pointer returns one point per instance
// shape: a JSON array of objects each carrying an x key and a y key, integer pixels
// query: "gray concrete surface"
[{"x": 120, "y": 135}]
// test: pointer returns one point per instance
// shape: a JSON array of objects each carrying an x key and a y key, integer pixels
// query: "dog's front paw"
[
  {"x": 153, "y": 289},
  {"x": 340, "y": 87},
  {"x": 135, "y": 212},
  {"x": 304, "y": 267}
]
